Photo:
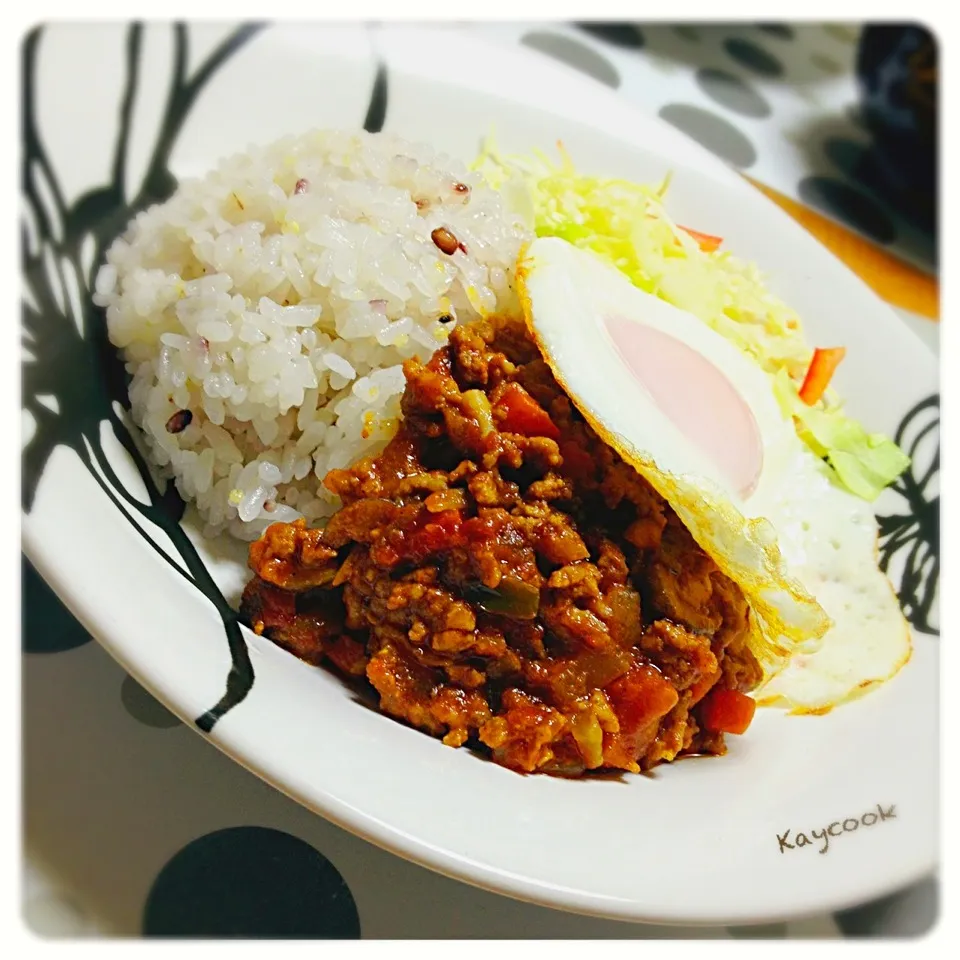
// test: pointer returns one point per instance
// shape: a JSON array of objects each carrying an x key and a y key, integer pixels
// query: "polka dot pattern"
[
  {"x": 849, "y": 157},
  {"x": 732, "y": 92},
  {"x": 841, "y": 32},
  {"x": 759, "y": 931},
  {"x": 144, "y": 706},
  {"x": 851, "y": 206},
  {"x": 752, "y": 57},
  {"x": 619, "y": 34},
  {"x": 712, "y": 132},
  {"x": 574, "y": 54},
  {"x": 250, "y": 882},
  {"x": 685, "y": 32},
  {"x": 827, "y": 64},
  {"x": 47, "y": 626},
  {"x": 780, "y": 30}
]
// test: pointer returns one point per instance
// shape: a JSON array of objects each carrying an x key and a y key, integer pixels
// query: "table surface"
[{"x": 134, "y": 825}]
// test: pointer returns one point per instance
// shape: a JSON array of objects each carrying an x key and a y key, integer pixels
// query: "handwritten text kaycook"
[{"x": 835, "y": 829}]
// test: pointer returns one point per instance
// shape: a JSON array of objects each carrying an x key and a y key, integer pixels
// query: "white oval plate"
[{"x": 701, "y": 841}]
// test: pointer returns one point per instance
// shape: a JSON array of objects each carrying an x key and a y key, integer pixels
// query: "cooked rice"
[{"x": 275, "y": 300}]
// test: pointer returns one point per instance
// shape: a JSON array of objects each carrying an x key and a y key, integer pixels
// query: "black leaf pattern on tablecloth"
[
  {"x": 914, "y": 533},
  {"x": 73, "y": 382}
]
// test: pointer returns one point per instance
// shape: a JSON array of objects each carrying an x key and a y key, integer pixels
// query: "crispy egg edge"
[
  {"x": 772, "y": 652},
  {"x": 864, "y": 686}
]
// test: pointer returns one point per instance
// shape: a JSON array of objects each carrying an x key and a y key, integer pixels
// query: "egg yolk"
[{"x": 696, "y": 397}]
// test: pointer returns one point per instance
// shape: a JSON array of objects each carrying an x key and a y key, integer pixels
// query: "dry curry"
[{"x": 501, "y": 577}]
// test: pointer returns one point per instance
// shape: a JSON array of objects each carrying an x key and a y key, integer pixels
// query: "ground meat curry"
[{"x": 502, "y": 578}]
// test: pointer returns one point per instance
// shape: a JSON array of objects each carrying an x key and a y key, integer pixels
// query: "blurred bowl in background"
[{"x": 897, "y": 67}]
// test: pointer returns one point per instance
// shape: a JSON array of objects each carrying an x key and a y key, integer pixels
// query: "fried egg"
[{"x": 698, "y": 419}]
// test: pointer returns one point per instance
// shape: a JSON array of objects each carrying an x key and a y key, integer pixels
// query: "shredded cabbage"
[
  {"x": 626, "y": 225},
  {"x": 863, "y": 462}
]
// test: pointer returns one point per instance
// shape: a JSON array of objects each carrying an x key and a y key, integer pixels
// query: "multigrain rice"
[{"x": 269, "y": 305}]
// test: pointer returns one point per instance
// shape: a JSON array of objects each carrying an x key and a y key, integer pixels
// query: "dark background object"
[{"x": 897, "y": 72}]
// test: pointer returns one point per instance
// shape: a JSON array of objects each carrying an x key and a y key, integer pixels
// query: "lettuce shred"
[
  {"x": 626, "y": 225},
  {"x": 864, "y": 463}
]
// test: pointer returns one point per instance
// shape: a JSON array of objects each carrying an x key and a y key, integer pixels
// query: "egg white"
[
  {"x": 828, "y": 538},
  {"x": 802, "y": 549}
]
